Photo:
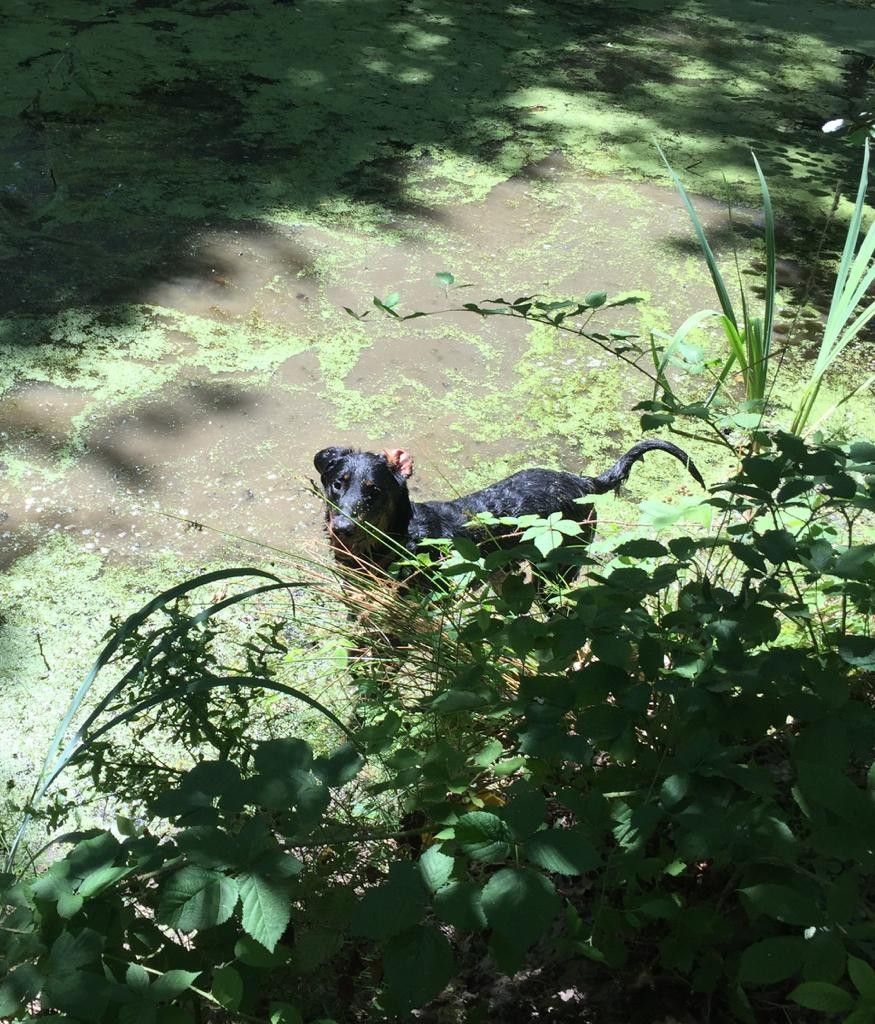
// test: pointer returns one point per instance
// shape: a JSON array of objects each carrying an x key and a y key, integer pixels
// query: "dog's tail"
[{"x": 618, "y": 474}]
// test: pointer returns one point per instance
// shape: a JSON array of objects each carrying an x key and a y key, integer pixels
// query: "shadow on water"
[{"x": 126, "y": 131}]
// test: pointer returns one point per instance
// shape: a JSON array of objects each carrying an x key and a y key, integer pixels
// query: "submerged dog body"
[{"x": 366, "y": 497}]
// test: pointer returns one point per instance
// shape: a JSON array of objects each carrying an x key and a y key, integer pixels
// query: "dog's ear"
[
  {"x": 325, "y": 460},
  {"x": 400, "y": 461}
]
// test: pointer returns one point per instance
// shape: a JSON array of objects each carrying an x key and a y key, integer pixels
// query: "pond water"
[{"x": 190, "y": 194}]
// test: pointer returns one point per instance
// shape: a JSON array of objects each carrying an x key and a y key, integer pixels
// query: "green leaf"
[
  {"x": 825, "y": 958},
  {"x": 818, "y": 995},
  {"x": 285, "y": 1013},
  {"x": 519, "y": 905},
  {"x": 392, "y": 300},
  {"x": 253, "y": 954},
  {"x": 436, "y": 868},
  {"x": 777, "y": 545},
  {"x": 643, "y": 547},
  {"x": 173, "y": 983},
  {"x": 266, "y": 909},
  {"x": 771, "y": 960},
  {"x": 863, "y": 1013},
  {"x": 674, "y": 789},
  {"x": 445, "y": 278},
  {"x": 341, "y": 767},
  {"x": 783, "y": 903},
  {"x": 858, "y": 651},
  {"x": 417, "y": 965},
  {"x": 19, "y": 986},
  {"x": 228, "y": 987},
  {"x": 137, "y": 978},
  {"x": 69, "y": 904},
  {"x": 863, "y": 977},
  {"x": 596, "y": 299},
  {"x": 483, "y": 836},
  {"x": 194, "y": 899},
  {"x": 561, "y": 851},
  {"x": 459, "y": 904},
  {"x": 395, "y": 906},
  {"x": 525, "y": 809}
]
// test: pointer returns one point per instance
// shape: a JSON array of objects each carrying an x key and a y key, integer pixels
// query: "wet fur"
[{"x": 366, "y": 493}]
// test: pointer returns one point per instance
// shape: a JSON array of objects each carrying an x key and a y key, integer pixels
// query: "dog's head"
[{"x": 365, "y": 496}]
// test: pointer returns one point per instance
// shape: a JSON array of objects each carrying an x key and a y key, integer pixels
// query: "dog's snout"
[{"x": 342, "y": 526}]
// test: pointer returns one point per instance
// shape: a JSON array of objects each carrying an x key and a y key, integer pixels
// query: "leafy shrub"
[{"x": 665, "y": 766}]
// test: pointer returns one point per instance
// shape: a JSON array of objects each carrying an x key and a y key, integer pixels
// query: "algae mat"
[{"x": 190, "y": 194}]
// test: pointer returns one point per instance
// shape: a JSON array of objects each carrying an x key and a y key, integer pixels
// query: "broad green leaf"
[
  {"x": 18, "y": 987},
  {"x": 172, "y": 983},
  {"x": 436, "y": 868},
  {"x": 596, "y": 299},
  {"x": 825, "y": 958},
  {"x": 459, "y": 904},
  {"x": 285, "y": 1013},
  {"x": 395, "y": 906},
  {"x": 70, "y": 952},
  {"x": 674, "y": 789},
  {"x": 228, "y": 987},
  {"x": 69, "y": 904},
  {"x": 863, "y": 977},
  {"x": 771, "y": 960},
  {"x": 417, "y": 965},
  {"x": 643, "y": 547},
  {"x": 818, "y": 995},
  {"x": 137, "y": 977},
  {"x": 253, "y": 954},
  {"x": 562, "y": 851},
  {"x": 483, "y": 836},
  {"x": 525, "y": 809},
  {"x": 266, "y": 909},
  {"x": 445, "y": 278},
  {"x": 519, "y": 905},
  {"x": 194, "y": 899},
  {"x": 783, "y": 903}
]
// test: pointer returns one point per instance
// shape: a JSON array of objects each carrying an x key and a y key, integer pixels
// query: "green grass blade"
[
  {"x": 129, "y": 626},
  {"x": 771, "y": 261},
  {"x": 201, "y": 686},
  {"x": 716, "y": 276}
]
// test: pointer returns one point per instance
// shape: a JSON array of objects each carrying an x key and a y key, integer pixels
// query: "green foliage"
[{"x": 687, "y": 727}]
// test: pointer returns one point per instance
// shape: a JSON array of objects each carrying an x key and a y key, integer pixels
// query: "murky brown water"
[{"x": 219, "y": 449}]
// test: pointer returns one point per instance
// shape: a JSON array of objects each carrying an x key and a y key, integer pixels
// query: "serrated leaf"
[
  {"x": 69, "y": 904},
  {"x": 519, "y": 905},
  {"x": 483, "y": 836},
  {"x": 173, "y": 983},
  {"x": 525, "y": 809},
  {"x": 266, "y": 909},
  {"x": 818, "y": 995},
  {"x": 561, "y": 851},
  {"x": 459, "y": 905},
  {"x": 417, "y": 965},
  {"x": 392, "y": 907},
  {"x": 253, "y": 954},
  {"x": 228, "y": 987},
  {"x": 643, "y": 547},
  {"x": 771, "y": 960},
  {"x": 194, "y": 899},
  {"x": 436, "y": 868}
]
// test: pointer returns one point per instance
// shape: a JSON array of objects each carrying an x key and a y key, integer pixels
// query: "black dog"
[{"x": 371, "y": 519}]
